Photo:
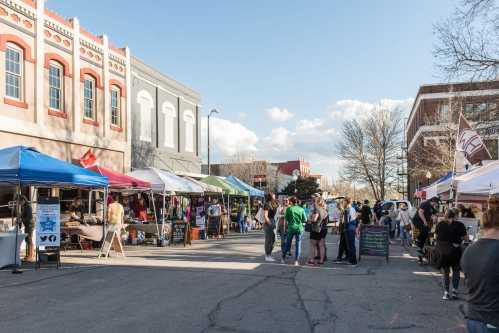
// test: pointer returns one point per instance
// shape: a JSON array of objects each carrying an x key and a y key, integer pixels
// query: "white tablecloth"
[{"x": 7, "y": 243}]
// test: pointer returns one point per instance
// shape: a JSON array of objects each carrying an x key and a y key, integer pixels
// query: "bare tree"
[
  {"x": 370, "y": 149},
  {"x": 467, "y": 42}
]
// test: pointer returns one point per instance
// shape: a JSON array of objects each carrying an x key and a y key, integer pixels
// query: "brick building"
[
  {"x": 289, "y": 166},
  {"x": 432, "y": 123},
  {"x": 62, "y": 89}
]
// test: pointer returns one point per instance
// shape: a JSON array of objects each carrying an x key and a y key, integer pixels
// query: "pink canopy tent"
[{"x": 120, "y": 181}]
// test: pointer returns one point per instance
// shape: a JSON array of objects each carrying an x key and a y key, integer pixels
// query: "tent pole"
[
  {"x": 16, "y": 269},
  {"x": 104, "y": 217},
  {"x": 154, "y": 212},
  {"x": 89, "y": 201}
]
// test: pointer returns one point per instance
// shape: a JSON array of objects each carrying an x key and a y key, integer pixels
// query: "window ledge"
[
  {"x": 15, "y": 103},
  {"x": 92, "y": 122},
  {"x": 57, "y": 113},
  {"x": 116, "y": 128}
]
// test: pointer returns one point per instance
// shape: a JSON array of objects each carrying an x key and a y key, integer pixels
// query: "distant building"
[
  {"x": 289, "y": 166},
  {"x": 322, "y": 181},
  {"x": 433, "y": 121},
  {"x": 165, "y": 121}
]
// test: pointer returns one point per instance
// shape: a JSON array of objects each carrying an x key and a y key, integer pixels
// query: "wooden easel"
[{"x": 111, "y": 242}]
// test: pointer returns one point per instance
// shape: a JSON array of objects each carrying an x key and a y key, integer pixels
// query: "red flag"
[
  {"x": 88, "y": 158},
  {"x": 470, "y": 143}
]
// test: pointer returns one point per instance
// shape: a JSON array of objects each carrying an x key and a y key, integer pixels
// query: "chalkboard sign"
[
  {"x": 179, "y": 233},
  {"x": 111, "y": 241},
  {"x": 214, "y": 226},
  {"x": 374, "y": 241}
]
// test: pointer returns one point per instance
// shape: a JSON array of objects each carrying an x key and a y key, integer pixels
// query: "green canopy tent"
[{"x": 228, "y": 189}]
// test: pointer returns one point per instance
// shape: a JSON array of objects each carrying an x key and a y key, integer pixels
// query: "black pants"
[
  {"x": 423, "y": 234},
  {"x": 455, "y": 276},
  {"x": 342, "y": 248}
]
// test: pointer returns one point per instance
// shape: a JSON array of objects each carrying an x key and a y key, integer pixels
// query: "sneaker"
[
  {"x": 282, "y": 261},
  {"x": 454, "y": 294},
  {"x": 297, "y": 263},
  {"x": 445, "y": 296},
  {"x": 269, "y": 259}
]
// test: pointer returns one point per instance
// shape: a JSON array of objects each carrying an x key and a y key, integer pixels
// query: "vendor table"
[
  {"x": 7, "y": 244},
  {"x": 151, "y": 228},
  {"x": 91, "y": 232}
]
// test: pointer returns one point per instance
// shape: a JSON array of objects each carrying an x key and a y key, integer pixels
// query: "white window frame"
[
  {"x": 189, "y": 123},
  {"x": 15, "y": 48},
  {"x": 117, "y": 90},
  {"x": 60, "y": 67},
  {"x": 93, "y": 99},
  {"x": 146, "y": 103},
  {"x": 169, "y": 115}
]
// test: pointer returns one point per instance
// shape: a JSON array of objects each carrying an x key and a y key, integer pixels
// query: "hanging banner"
[{"x": 48, "y": 222}]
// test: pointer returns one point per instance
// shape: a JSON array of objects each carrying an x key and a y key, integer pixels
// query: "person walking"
[
  {"x": 405, "y": 225},
  {"x": 27, "y": 221},
  {"x": 282, "y": 225},
  {"x": 422, "y": 220},
  {"x": 215, "y": 217},
  {"x": 450, "y": 235},
  {"x": 241, "y": 217},
  {"x": 269, "y": 212},
  {"x": 366, "y": 213},
  {"x": 318, "y": 217},
  {"x": 115, "y": 214},
  {"x": 480, "y": 264},
  {"x": 295, "y": 217},
  {"x": 378, "y": 211},
  {"x": 343, "y": 218}
]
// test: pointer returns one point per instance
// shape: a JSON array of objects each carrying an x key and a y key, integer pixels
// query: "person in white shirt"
[{"x": 405, "y": 224}]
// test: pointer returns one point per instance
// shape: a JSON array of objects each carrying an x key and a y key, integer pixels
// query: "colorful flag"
[
  {"x": 470, "y": 143},
  {"x": 88, "y": 159}
]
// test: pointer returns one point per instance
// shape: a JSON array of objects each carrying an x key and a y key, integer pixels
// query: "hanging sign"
[{"x": 48, "y": 222}]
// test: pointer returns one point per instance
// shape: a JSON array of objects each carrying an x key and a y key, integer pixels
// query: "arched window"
[
  {"x": 14, "y": 71},
  {"x": 56, "y": 86},
  {"x": 115, "y": 106},
  {"x": 169, "y": 115},
  {"x": 146, "y": 105},
  {"x": 89, "y": 97},
  {"x": 189, "y": 122}
]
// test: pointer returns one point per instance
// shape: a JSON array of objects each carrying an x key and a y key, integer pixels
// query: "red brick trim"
[
  {"x": 116, "y": 128},
  {"x": 121, "y": 86},
  {"x": 58, "y": 18},
  {"x": 5, "y": 38},
  {"x": 15, "y": 103},
  {"x": 90, "y": 122},
  {"x": 59, "y": 59},
  {"x": 57, "y": 113},
  {"x": 92, "y": 73}
]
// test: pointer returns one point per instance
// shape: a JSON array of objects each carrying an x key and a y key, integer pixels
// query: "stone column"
[
  {"x": 77, "y": 118},
  {"x": 128, "y": 103},
  {"x": 105, "y": 86}
]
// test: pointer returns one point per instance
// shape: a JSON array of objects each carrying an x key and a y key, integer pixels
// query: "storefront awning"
[
  {"x": 166, "y": 182},
  {"x": 27, "y": 166}
]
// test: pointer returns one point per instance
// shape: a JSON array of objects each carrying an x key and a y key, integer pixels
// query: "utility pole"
[{"x": 209, "y": 115}]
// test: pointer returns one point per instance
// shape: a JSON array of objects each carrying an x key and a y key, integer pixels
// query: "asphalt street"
[{"x": 225, "y": 286}]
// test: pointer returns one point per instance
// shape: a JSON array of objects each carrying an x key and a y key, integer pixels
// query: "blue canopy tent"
[
  {"x": 24, "y": 166},
  {"x": 21, "y": 165},
  {"x": 253, "y": 192}
]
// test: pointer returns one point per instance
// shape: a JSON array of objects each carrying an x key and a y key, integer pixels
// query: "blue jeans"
[
  {"x": 298, "y": 238},
  {"x": 242, "y": 225},
  {"x": 352, "y": 252},
  {"x": 404, "y": 236},
  {"x": 284, "y": 239},
  {"x": 475, "y": 326}
]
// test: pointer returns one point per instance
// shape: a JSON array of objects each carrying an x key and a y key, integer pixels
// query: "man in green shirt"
[{"x": 295, "y": 217}]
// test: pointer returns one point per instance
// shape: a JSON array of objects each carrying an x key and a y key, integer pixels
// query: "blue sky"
[{"x": 322, "y": 61}]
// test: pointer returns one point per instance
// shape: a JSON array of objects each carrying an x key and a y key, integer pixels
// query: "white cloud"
[
  {"x": 228, "y": 138},
  {"x": 350, "y": 109},
  {"x": 279, "y": 114},
  {"x": 281, "y": 139}
]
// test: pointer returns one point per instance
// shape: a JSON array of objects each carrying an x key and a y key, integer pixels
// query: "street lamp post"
[
  {"x": 209, "y": 115},
  {"x": 428, "y": 177}
]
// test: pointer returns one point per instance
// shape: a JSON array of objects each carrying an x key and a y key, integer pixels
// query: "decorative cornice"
[
  {"x": 91, "y": 46},
  {"x": 57, "y": 28},
  {"x": 117, "y": 59},
  {"x": 18, "y": 8}
]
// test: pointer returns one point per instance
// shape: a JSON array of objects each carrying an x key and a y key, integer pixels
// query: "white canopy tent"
[
  {"x": 164, "y": 182},
  {"x": 482, "y": 181}
]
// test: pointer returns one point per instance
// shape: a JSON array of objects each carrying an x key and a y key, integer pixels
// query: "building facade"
[
  {"x": 62, "y": 89},
  {"x": 165, "y": 121},
  {"x": 431, "y": 128},
  {"x": 289, "y": 166}
]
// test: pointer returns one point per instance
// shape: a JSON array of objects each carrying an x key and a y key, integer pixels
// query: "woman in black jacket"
[{"x": 450, "y": 235}]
